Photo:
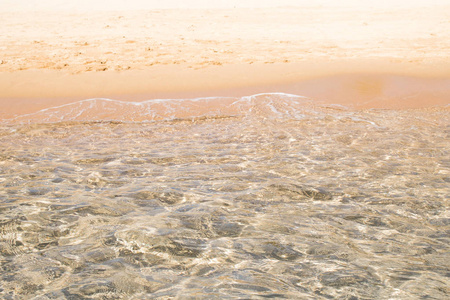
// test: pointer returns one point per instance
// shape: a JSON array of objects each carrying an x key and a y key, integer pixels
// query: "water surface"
[{"x": 269, "y": 196}]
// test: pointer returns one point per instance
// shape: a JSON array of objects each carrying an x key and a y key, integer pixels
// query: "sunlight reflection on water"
[{"x": 281, "y": 203}]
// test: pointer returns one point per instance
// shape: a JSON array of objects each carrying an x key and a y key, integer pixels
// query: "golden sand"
[{"x": 343, "y": 55}]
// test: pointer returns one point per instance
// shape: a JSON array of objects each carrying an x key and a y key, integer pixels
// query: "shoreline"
[
  {"x": 358, "y": 84},
  {"x": 355, "y": 55}
]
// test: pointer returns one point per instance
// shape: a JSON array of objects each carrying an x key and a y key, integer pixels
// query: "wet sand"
[{"x": 343, "y": 83}]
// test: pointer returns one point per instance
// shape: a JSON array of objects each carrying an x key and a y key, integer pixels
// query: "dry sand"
[{"x": 385, "y": 56}]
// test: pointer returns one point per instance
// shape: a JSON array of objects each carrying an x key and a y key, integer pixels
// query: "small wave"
[{"x": 266, "y": 105}]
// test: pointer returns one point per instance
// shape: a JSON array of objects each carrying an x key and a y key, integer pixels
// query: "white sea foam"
[{"x": 271, "y": 105}]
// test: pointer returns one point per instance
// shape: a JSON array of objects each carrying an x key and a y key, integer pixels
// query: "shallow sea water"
[{"x": 268, "y": 196}]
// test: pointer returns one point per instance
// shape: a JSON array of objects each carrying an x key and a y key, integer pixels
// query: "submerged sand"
[{"x": 321, "y": 203}]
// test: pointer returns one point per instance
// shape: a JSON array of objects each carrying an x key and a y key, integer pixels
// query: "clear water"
[{"x": 269, "y": 196}]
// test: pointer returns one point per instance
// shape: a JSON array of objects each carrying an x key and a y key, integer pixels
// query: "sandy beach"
[
  {"x": 209, "y": 149},
  {"x": 367, "y": 55}
]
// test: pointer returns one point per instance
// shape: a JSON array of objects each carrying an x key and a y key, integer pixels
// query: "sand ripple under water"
[{"x": 266, "y": 196}]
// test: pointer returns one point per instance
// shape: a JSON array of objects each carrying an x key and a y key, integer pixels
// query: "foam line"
[{"x": 278, "y": 105}]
